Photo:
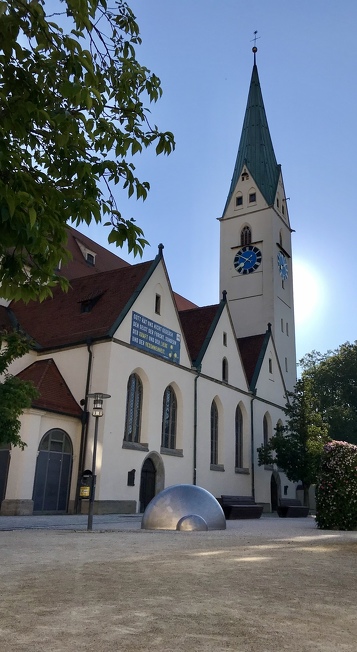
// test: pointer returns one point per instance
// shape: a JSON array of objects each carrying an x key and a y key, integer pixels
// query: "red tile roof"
[
  {"x": 54, "y": 393},
  {"x": 182, "y": 303},
  {"x": 60, "y": 320},
  {"x": 196, "y": 324},
  {"x": 250, "y": 349},
  {"x": 78, "y": 266}
]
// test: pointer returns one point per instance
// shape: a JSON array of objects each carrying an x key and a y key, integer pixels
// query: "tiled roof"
[
  {"x": 256, "y": 148},
  {"x": 54, "y": 394},
  {"x": 196, "y": 324},
  {"x": 78, "y": 266},
  {"x": 250, "y": 350},
  {"x": 182, "y": 303},
  {"x": 60, "y": 320}
]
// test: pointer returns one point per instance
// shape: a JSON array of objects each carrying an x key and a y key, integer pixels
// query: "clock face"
[
  {"x": 283, "y": 266},
  {"x": 247, "y": 259}
]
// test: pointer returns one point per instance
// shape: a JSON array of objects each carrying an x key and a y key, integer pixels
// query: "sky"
[{"x": 307, "y": 64}]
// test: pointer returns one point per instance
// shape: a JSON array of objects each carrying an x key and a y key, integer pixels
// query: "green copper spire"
[{"x": 255, "y": 147}]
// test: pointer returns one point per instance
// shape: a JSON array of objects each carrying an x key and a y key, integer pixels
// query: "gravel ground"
[{"x": 261, "y": 585}]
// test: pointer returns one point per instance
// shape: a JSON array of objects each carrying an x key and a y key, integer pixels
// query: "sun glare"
[{"x": 309, "y": 293}]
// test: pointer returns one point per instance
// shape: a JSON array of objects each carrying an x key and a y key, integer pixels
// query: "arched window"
[
  {"x": 169, "y": 419},
  {"x": 225, "y": 370},
  {"x": 134, "y": 400},
  {"x": 239, "y": 439},
  {"x": 265, "y": 430},
  {"x": 245, "y": 235},
  {"x": 214, "y": 433}
]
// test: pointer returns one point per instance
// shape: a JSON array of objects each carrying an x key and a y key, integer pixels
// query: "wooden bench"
[
  {"x": 235, "y": 507},
  {"x": 291, "y": 508}
]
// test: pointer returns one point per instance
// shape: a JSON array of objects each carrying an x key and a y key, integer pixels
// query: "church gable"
[
  {"x": 212, "y": 343},
  {"x": 151, "y": 323},
  {"x": 269, "y": 381},
  {"x": 245, "y": 197}
]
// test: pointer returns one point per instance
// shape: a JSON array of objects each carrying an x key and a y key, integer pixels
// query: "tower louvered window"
[
  {"x": 245, "y": 235},
  {"x": 133, "y": 409}
]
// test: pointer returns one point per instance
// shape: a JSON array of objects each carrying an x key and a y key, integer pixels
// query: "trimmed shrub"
[{"x": 336, "y": 490}]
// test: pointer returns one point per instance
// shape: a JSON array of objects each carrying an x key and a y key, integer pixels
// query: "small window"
[
  {"x": 283, "y": 285},
  {"x": 281, "y": 238},
  {"x": 225, "y": 370},
  {"x": 245, "y": 175},
  {"x": 287, "y": 329},
  {"x": 283, "y": 209},
  {"x": 277, "y": 202},
  {"x": 90, "y": 259},
  {"x": 270, "y": 366},
  {"x": 224, "y": 339},
  {"x": 134, "y": 398},
  {"x": 282, "y": 325},
  {"x": 158, "y": 304},
  {"x": 239, "y": 200},
  {"x": 252, "y": 197},
  {"x": 286, "y": 364}
]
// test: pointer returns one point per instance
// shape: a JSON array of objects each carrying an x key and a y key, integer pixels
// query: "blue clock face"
[
  {"x": 247, "y": 259},
  {"x": 283, "y": 266}
]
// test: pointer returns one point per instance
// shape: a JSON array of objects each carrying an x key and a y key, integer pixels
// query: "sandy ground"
[{"x": 263, "y": 586}]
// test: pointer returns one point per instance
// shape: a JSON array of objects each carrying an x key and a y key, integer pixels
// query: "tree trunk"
[{"x": 306, "y": 495}]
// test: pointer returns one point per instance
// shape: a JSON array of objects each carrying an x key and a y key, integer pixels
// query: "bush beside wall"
[{"x": 336, "y": 490}]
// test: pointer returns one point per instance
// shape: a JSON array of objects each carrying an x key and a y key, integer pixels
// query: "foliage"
[
  {"x": 334, "y": 380},
  {"x": 296, "y": 447},
  {"x": 336, "y": 491},
  {"x": 72, "y": 118},
  {"x": 15, "y": 394}
]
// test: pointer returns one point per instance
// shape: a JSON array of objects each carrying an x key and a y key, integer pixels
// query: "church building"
[{"x": 192, "y": 391}]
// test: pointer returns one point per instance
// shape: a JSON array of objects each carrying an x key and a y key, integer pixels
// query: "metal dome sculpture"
[{"x": 184, "y": 507}]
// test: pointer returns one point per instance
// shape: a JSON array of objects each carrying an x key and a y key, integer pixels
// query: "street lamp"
[{"x": 97, "y": 412}]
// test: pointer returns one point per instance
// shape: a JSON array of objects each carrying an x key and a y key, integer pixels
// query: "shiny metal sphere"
[
  {"x": 191, "y": 523},
  {"x": 179, "y": 501}
]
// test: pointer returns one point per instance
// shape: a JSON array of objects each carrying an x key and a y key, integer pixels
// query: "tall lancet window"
[
  {"x": 134, "y": 399},
  {"x": 245, "y": 235}
]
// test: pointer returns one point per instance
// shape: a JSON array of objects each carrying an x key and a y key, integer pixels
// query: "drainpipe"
[
  {"x": 84, "y": 430},
  {"x": 252, "y": 440},
  {"x": 198, "y": 370}
]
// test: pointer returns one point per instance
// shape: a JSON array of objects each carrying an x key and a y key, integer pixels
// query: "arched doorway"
[
  {"x": 147, "y": 483},
  {"x": 274, "y": 491},
  {"x": 4, "y": 469},
  {"x": 53, "y": 473}
]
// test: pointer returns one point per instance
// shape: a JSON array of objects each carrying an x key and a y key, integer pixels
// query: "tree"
[
  {"x": 296, "y": 448},
  {"x": 15, "y": 395},
  {"x": 334, "y": 379},
  {"x": 72, "y": 117}
]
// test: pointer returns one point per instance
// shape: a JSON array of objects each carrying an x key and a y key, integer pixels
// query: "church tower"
[{"x": 255, "y": 240}]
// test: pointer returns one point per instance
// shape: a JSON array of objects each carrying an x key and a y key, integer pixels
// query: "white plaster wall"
[{"x": 34, "y": 425}]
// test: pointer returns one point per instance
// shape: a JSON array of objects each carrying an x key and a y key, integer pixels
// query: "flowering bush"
[{"x": 336, "y": 490}]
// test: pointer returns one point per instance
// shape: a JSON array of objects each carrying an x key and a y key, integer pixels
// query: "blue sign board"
[{"x": 154, "y": 338}]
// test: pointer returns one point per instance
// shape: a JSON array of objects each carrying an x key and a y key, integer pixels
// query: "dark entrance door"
[
  {"x": 53, "y": 473},
  {"x": 273, "y": 493},
  {"x": 147, "y": 484},
  {"x": 4, "y": 469}
]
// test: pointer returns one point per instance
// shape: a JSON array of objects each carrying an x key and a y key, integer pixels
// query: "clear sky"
[{"x": 307, "y": 63}]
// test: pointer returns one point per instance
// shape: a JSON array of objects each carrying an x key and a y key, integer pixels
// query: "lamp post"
[{"x": 97, "y": 412}]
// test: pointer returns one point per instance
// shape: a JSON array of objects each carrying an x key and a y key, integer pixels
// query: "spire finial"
[{"x": 254, "y": 48}]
